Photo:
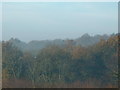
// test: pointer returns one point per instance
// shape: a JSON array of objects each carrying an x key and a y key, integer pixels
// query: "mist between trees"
[{"x": 67, "y": 66}]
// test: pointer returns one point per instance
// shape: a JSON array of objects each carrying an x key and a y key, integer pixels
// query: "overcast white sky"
[{"x": 41, "y": 21}]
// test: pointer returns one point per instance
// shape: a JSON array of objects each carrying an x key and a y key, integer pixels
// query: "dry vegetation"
[
  {"x": 58, "y": 67},
  {"x": 27, "y": 84}
]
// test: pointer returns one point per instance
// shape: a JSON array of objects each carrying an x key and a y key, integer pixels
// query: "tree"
[{"x": 12, "y": 60}]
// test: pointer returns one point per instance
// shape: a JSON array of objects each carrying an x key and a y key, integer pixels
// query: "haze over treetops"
[{"x": 53, "y": 20}]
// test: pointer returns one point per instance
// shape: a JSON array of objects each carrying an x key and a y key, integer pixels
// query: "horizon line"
[{"x": 60, "y": 38}]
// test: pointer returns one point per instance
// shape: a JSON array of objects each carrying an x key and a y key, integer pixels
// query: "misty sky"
[{"x": 53, "y": 20}]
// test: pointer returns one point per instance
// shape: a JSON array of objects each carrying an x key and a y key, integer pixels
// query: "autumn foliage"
[{"x": 67, "y": 66}]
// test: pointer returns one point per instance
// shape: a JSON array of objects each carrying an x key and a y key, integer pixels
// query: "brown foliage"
[{"x": 90, "y": 83}]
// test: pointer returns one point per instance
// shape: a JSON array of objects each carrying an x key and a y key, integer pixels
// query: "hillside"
[
  {"x": 68, "y": 65},
  {"x": 35, "y": 46}
]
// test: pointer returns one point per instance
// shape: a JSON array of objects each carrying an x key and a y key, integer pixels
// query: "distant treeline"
[
  {"x": 67, "y": 64},
  {"x": 35, "y": 46}
]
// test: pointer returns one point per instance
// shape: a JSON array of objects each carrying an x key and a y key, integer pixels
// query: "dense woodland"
[{"x": 67, "y": 66}]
